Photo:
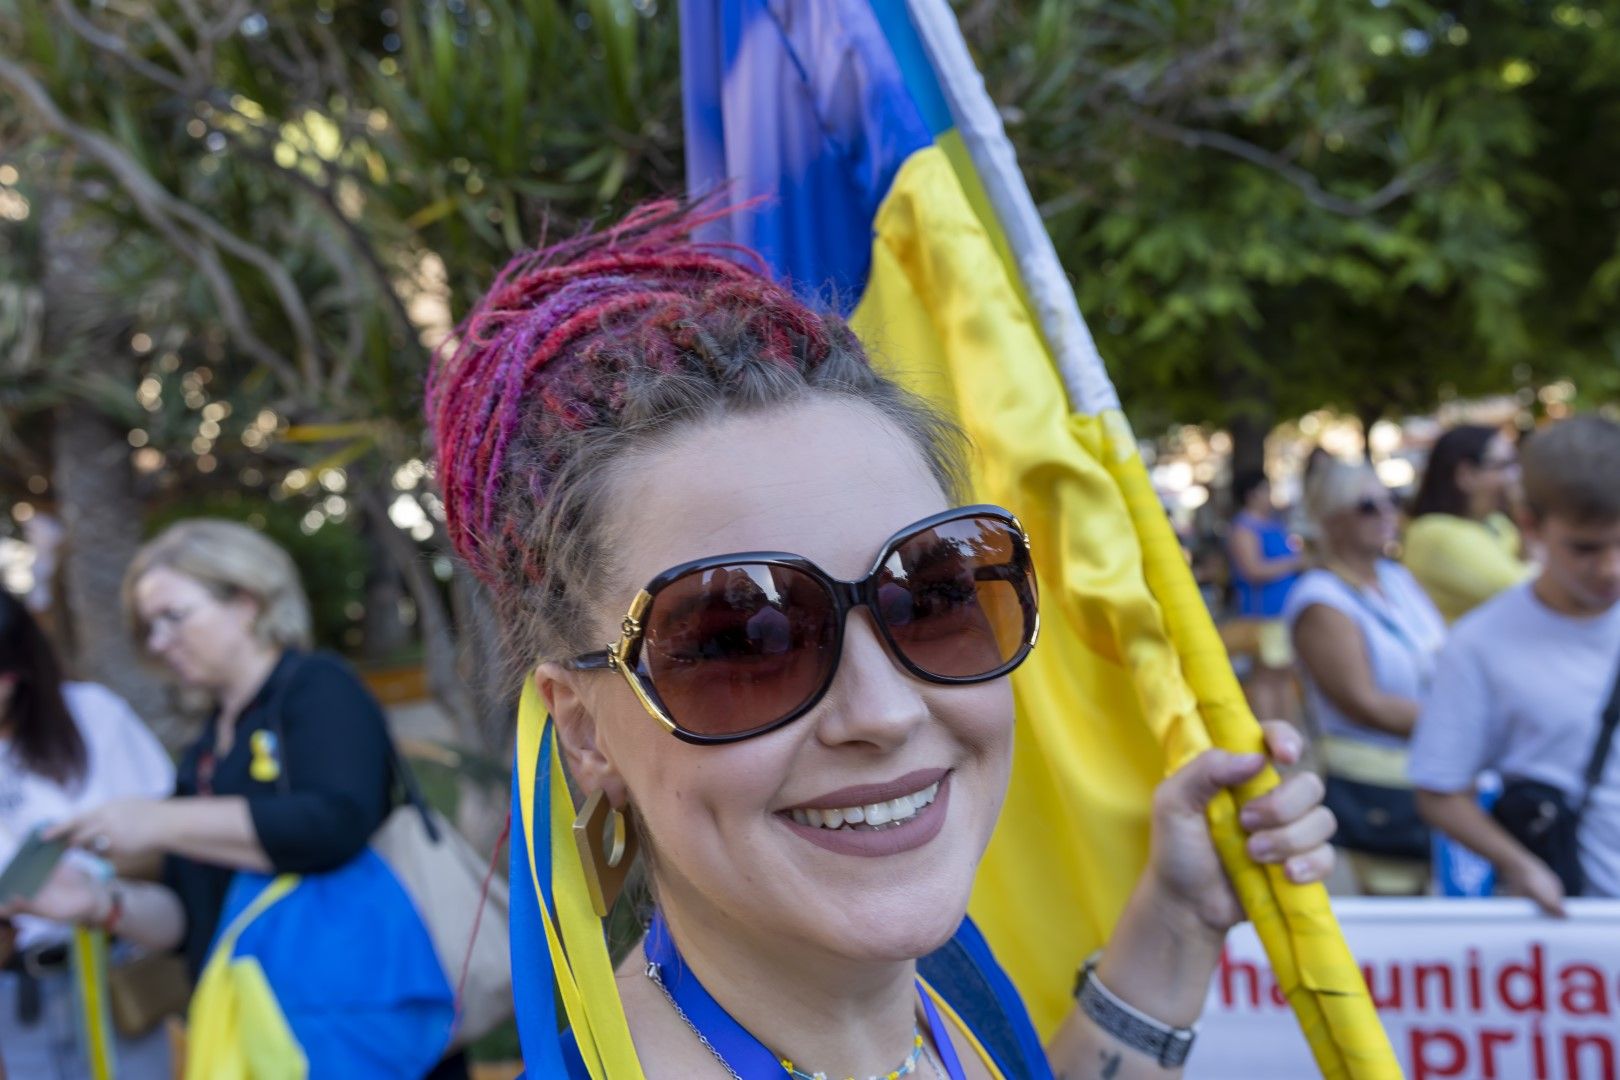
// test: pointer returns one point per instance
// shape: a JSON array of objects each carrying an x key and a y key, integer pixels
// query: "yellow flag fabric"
[
  {"x": 882, "y": 168},
  {"x": 1129, "y": 680}
]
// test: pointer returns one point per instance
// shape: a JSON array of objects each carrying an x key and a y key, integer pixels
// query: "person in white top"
[
  {"x": 1366, "y": 636},
  {"x": 1523, "y": 683},
  {"x": 65, "y": 747}
]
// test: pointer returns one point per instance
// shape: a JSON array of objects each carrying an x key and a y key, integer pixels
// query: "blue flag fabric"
[
  {"x": 824, "y": 155},
  {"x": 352, "y": 968}
]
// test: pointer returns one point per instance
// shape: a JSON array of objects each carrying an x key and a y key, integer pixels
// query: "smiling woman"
[{"x": 734, "y": 563}]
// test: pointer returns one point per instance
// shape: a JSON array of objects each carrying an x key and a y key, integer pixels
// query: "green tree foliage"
[
  {"x": 302, "y": 190},
  {"x": 293, "y": 202},
  {"x": 1272, "y": 206},
  {"x": 1267, "y": 206}
]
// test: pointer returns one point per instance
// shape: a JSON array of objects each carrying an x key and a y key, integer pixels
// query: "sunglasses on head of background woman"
[{"x": 1375, "y": 506}]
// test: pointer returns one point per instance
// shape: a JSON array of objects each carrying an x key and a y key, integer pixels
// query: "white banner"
[{"x": 1481, "y": 989}]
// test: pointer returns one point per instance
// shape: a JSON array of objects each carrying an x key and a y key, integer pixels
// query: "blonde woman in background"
[
  {"x": 1366, "y": 636},
  {"x": 292, "y": 772}
]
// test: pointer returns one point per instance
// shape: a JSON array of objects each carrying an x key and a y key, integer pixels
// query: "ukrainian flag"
[{"x": 888, "y": 184}]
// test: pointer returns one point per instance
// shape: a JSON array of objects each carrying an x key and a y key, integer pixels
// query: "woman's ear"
[
  {"x": 248, "y": 609},
  {"x": 577, "y": 733}
]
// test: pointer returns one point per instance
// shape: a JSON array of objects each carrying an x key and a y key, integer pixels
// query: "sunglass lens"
[
  {"x": 1374, "y": 507},
  {"x": 958, "y": 599},
  {"x": 730, "y": 649}
]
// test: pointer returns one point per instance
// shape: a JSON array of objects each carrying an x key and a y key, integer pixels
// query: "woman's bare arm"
[{"x": 1331, "y": 648}]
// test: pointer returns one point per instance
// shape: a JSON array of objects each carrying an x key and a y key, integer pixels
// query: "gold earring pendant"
[{"x": 607, "y": 847}]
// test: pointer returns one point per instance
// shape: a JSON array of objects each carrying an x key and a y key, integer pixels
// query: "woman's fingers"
[
  {"x": 77, "y": 832},
  {"x": 1288, "y": 801},
  {"x": 1190, "y": 788},
  {"x": 1314, "y": 865},
  {"x": 1297, "y": 837},
  {"x": 1284, "y": 742}
]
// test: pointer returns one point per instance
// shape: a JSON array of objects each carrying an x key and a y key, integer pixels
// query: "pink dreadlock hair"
[{"x": 603, "y": 345}]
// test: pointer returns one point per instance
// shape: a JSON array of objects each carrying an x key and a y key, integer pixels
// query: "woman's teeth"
[{"x": 873, "y": 815}]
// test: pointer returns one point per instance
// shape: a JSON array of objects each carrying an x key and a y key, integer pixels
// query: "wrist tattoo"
[{"x": 1110, "y": 1064}]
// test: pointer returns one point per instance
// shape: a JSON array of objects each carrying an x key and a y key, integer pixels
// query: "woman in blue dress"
[{"x": 1266, "y": 561}]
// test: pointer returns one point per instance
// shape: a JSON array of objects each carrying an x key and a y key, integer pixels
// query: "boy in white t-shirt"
[{"x": 1521, "y": 684}]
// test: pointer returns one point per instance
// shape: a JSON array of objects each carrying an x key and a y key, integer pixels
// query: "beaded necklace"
[{"x": 906, "y": 1068}]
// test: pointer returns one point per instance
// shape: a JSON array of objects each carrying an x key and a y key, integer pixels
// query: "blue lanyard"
[{"x": 746, "y": 1055}]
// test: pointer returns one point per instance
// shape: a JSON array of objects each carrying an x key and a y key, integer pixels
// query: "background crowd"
[
  {"x": 291, "y": 771},
  {"x": 1458, "y": 654},
  {"x": 1454, "y": 655}
]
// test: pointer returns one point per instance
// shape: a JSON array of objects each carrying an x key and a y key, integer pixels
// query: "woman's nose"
[{"x": 873, "y": 699}]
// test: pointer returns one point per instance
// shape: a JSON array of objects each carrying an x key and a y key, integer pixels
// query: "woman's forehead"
[
  {"x": 164, "y": 584},
  {"x": 828, "y": 481}
]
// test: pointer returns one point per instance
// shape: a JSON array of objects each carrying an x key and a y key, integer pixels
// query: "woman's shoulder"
[
  {"x": 1258, "y": 525},
  {"x": 1395, "y": 575},
  {"x": 320, "y": 672},
  {"x": 322, "y": 683},
  {"x": 316, "y": 664},
  {"x": 124, "y": 753},
  {"x": 1439, "y": 531},
  {"x": 97, "y": 708},
  {"x": 1317, "y": 586}
]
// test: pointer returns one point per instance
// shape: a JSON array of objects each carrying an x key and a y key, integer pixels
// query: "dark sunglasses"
[
  {"x": 733, "y": 646},
  {"x": 1375, "y": 507}
]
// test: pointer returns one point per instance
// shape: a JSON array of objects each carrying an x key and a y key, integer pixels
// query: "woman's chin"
[
  {"x": 190, "y": 680},
  {"x": 911, "y": 943},
  {"x": 900, "y": 925}
]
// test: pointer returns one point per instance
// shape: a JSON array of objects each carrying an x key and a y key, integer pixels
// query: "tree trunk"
[
  {"x": 94, "y": 484},
  {"x": 1368, "y": 415},
  {"x": 384, "y": 634},
  {"x": 96, "y": 498},
  {"x": 461, "y": 672},
  {"x": 1249, "y": 431},
  {"x": 1252, "y": 412}
]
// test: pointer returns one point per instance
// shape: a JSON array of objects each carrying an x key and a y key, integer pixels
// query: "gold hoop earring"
[{"x": 607, "y": 846}]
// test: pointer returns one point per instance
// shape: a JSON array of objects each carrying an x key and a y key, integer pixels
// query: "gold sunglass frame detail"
[{"x": 630, "y": 631}]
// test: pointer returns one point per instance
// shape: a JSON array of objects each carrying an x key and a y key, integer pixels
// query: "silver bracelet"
[{"x": 1167, "y": 1045}]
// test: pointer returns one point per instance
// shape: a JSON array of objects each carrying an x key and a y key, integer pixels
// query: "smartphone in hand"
[{"x": 30, "y": 867}]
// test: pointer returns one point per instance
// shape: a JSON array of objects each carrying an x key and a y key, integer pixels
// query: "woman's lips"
[
  {"x": 862, "y": 794},
  {"x": 887, "y": 839}
]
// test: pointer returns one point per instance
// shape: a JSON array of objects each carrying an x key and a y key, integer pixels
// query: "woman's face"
[
  {"x": 829, "y": 481},
  {"x": 1491, "y": 483},
  {"x": 202, "y": 638},
  {"x": 1259, "y": 500},
  {"x": 1366, "y": 526}
]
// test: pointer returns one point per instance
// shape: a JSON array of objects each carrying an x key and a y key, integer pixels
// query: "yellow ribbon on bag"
[{"x": 236, "y": 1029}]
